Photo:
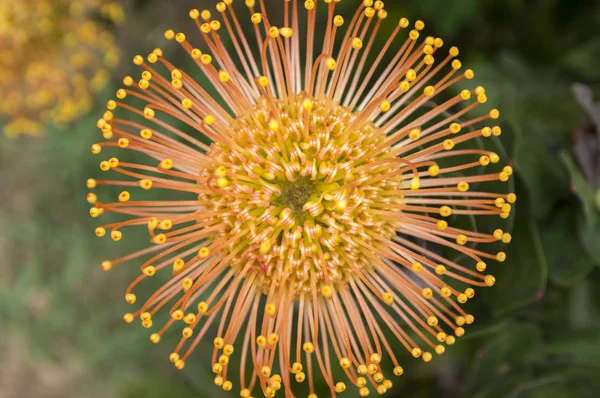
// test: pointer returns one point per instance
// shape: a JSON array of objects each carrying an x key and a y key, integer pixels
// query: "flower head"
[
  {"x": 307, "y": 174},
  {"x": 53, "y": 55}
]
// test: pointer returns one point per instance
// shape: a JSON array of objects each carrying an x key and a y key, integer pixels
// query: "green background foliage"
[{"x": 537, "y": 332}]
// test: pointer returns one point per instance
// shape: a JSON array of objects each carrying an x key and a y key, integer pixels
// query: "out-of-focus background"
[{"x": 538, "y": 330}]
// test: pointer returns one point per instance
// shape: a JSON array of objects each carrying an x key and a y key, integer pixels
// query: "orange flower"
[{"x": 306, "y": 173}]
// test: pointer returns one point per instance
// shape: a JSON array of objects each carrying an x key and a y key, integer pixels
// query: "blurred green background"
[{"x": 538, "y": 330}]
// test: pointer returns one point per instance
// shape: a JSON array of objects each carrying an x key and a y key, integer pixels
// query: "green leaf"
[
  {"x": 575, "y": 347},
  {"x": 567, "y": 260},
  {"x": 505, "y": 356},
  {"x": 536, "y": 166},
  {"x": 554, "y": 386},
  {"x": 502, "y": 386},
  {"x": 589, "y": 219}
]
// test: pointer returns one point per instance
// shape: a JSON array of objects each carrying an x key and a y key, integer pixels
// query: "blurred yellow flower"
[{"x": 53, "y": 55}]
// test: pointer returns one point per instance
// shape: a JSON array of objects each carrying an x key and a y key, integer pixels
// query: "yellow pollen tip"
[
  {"x": 455, "y": 128},
  {"x": 470, "y": 292},
  {"x": 274, "y": 32},
  {"x": 445, "y": 211},
  {"x": 256, "y": 18},
  {"x": 416, "y": 352},
  {"x": 308, "y": 347},
  {"x": 202, "y": 307},
  {"x": 265, "y": 247},
  {"x": 385, "y": 106},
  {"x": 286, "y": 32},
  {"x": 219, "y": 342},
  {"x": 388, "y": 298},
  {"x": 481, "y": 266},
  {"x": 501, "y": 256},
  {"x": 270, "y": 309},
  {"x": 414, "y": 183},
  {"x": 265, "y": 371},
  {"x": 116, "y": 235},
  {"x": 227, "y": 386},
  {"x": 106, "y": 265},
  {"x": 417, "y": 267},
  {"x": 434, "y": 170},
  {"x": 461, "y": 239},
  {"x": 169, "y": 34},
  {"x": 203, "y": 252},
  {"x": 274, "y": 125},
  {"x": 159, "y": 239},
  {"x": 345, "y": 363},
  {"x": 340, "y": 387},
  {"x": 263, "y": 81},
  {"x": 91, "y": 198},
  {"x": 155, "y": 338},
  {"x": 307, "y": 105},
  {"x": 206, "y": 59},
  {"x": 187, "y": 103},
  {"x": 448, "y": 144}
]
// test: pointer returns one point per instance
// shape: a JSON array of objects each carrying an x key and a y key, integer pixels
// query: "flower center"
[
  {"x": 295, "y": 195},
  {"x": 299, "y": 193}
]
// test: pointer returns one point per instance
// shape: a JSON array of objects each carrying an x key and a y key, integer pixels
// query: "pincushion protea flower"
[
  {"x": 53, "y": 55},
  {"x": 312, "y": 169}
]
